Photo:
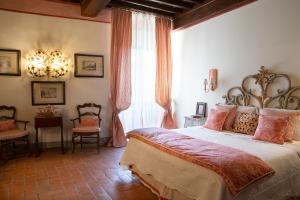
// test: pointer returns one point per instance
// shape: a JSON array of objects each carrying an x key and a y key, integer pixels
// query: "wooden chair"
[
  {"x": 9, "y": 132},
  {"x": 88, "y": 125}
]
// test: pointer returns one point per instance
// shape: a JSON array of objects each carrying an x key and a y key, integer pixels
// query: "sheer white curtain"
[{"x": 143, "y": 111}]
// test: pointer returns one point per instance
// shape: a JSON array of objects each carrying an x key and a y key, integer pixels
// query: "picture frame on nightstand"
[{"x": 201, "y": 109}]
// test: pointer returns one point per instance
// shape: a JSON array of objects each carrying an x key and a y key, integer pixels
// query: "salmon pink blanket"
[{"x": 238, "y": 168}]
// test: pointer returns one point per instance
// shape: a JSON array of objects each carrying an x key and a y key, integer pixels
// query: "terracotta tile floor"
[{"x": 80, "y": 176}]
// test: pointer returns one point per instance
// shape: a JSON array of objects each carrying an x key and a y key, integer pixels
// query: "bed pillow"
[
  {"x": 232, "y": 110},
  {"x": 297, "y": 130},
  {"x": 6, "y": 125},
  {"x": 271, "y": 129},
  {"x": 293, "y": 120},
  {"x": 215, "y": 119},
  {"x": 246, "y": 123},
  {"x": 247, "y": 109}
]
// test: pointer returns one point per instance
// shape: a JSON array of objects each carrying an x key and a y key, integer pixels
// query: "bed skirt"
[
  {"x": 157, "y": 188},
  {"x": 165, "y": 193}
]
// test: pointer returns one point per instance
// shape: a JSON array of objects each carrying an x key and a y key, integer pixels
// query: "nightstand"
[{"x": 194, "y": 121}]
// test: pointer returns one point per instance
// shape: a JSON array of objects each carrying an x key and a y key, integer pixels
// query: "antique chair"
[
  {"x": 87, "y": 126},
  {"x": 10, "y": 134}
]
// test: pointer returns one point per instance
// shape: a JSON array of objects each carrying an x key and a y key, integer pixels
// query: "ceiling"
[
  {"x": 162, "y": 7},
  {"x": 184, "y": 12}
]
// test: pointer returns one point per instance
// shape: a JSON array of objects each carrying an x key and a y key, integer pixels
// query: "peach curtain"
[
  {"x": 163, "y": 83},
  {"x": 120, "y": 80}
]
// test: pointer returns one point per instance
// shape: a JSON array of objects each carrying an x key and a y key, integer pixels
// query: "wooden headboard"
[{"x": 267, "y": 90}]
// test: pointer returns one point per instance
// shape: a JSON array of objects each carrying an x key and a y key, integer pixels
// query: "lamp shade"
[{"x": 213, "y": 78}]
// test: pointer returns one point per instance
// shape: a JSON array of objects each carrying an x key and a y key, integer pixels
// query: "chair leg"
[
  {"x": 28, "y": 144},
  {"x": 73, "y": 142},
  {"x": 1, "y": 152},
  {"x": 14, "y": 150},
  {"x": 81, "y": 142},
  {"x": 98, "y": 142},
  {"x": 3, "y": 159}
]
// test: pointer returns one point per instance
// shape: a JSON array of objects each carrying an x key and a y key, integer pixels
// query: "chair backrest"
[
  {"x": 7, "y": 112},
  {"x": 89, "y": 110}
]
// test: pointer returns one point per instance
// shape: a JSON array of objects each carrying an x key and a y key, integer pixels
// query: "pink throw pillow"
[
  {"x": 293, "y": 116},
  {"x": 232, "y": 111},
  {"x": 6, "y": 125},
  {"x": 215, "y": 119},
  {"x": 89, "y": 122},
  {"x": 271, "y": 129}
]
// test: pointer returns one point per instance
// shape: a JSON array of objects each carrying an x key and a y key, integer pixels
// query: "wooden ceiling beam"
[
  {"x": 194, "y": 1},
  {"x": 154, "y": 5},
  {"x": 175, "y": 3},
  {"x": 90, "y": 8},
  {"x": 206, "y": 11},
  {"x": 74, "y": 2},
  {"x": 124, "y": 4}
]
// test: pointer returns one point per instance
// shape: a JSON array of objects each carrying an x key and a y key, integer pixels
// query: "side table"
[
  {"x": 194, "y": 121},
  {"x": 44, "y": 122}
]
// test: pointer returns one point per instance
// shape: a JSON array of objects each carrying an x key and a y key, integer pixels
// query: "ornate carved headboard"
[{"x": 270, "y": 90}]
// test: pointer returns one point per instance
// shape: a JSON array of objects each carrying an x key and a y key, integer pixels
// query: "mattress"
[{"x": 174, "y": 175}]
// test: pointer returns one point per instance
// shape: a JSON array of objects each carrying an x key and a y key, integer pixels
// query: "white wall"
[
  {"x": 237, "y": 43},
  {"x": 30, "y": 32}
]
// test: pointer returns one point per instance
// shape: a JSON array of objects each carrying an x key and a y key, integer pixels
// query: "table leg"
[
  {"x": 37, "y": 150},
  {"x": 62, "y": 139}
]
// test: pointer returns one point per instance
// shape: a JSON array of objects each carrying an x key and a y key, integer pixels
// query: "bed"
[{"x": 170, "y": 177}]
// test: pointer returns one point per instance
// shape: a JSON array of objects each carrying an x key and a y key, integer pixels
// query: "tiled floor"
[{"x": 80, "y": 176}]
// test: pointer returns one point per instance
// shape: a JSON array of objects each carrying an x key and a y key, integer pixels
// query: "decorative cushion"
[
  {"x": 293, "y": 120},
  {"x": 86, "y": 129},
  {"x": 232, "y": 111},
  {"x": 12, "y": 134},
  {"x": 271, "y": 129},
  {"x": 89, "y": 122},
  {"x": 246, "y": 123},
  {"x": 6, "y": 125},
  {"x": 215, "y": 119}
]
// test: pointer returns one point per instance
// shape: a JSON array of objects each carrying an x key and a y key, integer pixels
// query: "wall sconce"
[
  {"x": 42, "y": 64},
  {"x": 211, "y": 85}
]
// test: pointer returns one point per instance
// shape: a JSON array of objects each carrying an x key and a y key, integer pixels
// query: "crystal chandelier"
[{"x": 51, "y": 64}]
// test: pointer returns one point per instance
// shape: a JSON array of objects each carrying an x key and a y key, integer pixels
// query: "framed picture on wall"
[
  {"x": 10, "y": 62},
  {"x": 48, "y": 92},
  {"x": 89, "y": 65},
  {"x": 201, "y": 109}
]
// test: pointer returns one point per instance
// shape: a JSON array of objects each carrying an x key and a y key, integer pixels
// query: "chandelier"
[{"x": 51, "y": 64}]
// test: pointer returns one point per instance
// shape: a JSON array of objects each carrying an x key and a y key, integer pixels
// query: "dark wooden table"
[{"x": 44, "y": 122}]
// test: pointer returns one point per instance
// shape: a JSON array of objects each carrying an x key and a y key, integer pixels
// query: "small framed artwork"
[
  {"x": 89, "y": 66},
  {"x": 48, "y": 92},
  {"x": 10, "y": 62},
  {"x": 201, "y": 109}
]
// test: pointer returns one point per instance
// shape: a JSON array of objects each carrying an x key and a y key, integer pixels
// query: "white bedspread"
[{"x": 199, "y": 183}]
